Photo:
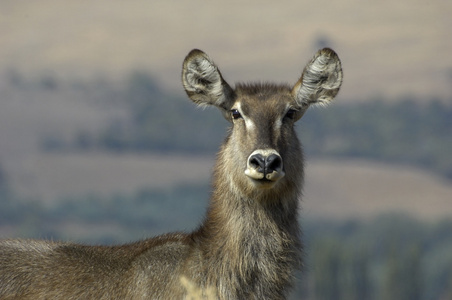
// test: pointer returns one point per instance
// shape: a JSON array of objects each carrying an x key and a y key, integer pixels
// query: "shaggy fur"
[{"x": 247, "y": 247}]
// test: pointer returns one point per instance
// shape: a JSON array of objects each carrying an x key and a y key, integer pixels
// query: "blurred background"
[{"x": 99, "y": 144}]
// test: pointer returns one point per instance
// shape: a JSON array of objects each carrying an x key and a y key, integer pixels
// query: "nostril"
[
  {"x": 265, "y": 165},
  {"x": 257, "y": 161},
  {"x": 273, "y": 163}
]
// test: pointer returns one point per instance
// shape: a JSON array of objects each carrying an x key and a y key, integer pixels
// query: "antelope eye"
[
  {"x": 291, "y": 113},
  {"x": 235, "y": 114}
]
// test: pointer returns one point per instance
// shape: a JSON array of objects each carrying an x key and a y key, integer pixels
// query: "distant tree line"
[
  {"x": 405, "y": 131},
  {"x": 391, "y": 257}
]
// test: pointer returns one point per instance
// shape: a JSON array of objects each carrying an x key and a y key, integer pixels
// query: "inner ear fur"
[
  {"x": 203, "y": 81},
  {"x": 320, "y": 81}
]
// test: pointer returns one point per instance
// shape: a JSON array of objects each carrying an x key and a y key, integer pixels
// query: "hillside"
[
  {"x": 107, "y": 139},
  {"x": 99, "y": 144},
  {"x": 335, "y": 189},
  {"x": 340, "y": 190}
]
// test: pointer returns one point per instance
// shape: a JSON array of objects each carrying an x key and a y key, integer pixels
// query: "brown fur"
[{"x": 248, "y": 246}]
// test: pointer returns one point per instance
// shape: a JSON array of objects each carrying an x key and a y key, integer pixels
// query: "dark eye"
[
  {"x": 235, "y": 114},
  {"x": 291, "y": 113}
]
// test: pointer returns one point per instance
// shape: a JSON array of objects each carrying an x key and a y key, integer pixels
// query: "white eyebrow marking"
[
  {"x": 277, "y": 125},
  {"x": 248, "y": 122}
]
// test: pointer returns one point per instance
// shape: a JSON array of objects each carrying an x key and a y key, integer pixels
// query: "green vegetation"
[
  {"x": 391, "y": 257},
  {"x": 143, "y": 214},
  {"x": 405, "y": 131},
  {"x": 160, "y": 123}
]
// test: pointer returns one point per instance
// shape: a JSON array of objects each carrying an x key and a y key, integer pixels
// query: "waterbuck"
[{"x": 248, "y": 245}]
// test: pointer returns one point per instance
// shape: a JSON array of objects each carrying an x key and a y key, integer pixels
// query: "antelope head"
[{"x": 262, "y": 150}]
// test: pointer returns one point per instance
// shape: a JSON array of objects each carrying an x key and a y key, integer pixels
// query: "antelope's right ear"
[{"x": 203, "y": 82}]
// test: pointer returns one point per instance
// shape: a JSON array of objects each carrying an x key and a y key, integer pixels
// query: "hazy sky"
[{"x": 389, "y": 48}]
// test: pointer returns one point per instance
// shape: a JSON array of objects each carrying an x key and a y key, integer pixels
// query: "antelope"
[{"x": 249, "y": 244}]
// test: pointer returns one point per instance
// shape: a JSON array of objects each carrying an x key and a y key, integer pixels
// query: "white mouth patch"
[{"x": 255, "y": 173}]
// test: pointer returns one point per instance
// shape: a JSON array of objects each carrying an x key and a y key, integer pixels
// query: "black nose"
[{"x": 265, "y": 164}]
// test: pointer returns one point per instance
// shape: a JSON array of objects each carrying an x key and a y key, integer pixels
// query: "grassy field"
[
  {"x": 388, "y": 49},
  {"x": 334, "y": 189}
]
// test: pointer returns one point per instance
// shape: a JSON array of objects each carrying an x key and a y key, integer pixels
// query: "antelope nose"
[{"x": 265, "y": 165}]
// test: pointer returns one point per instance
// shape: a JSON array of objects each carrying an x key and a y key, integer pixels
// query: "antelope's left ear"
[
  {"x": 203, "y": 82},
  {"x": 320, "y": 81}
]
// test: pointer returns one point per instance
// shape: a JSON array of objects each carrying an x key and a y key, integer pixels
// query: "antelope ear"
[
  {"x": 320, "y": 81},
  {"x": 203, "y": 82}
]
